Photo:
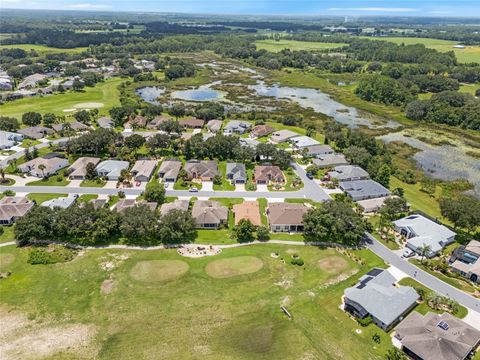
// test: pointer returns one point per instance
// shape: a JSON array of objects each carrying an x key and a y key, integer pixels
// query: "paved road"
[{"x": 423, "y": 277}]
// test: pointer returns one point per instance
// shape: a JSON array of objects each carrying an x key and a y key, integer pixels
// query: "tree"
[
  {"x": 395, "y": 354},
  {"x": 42, "y": 167},
  {"x": 77, "y": 85},
  {"x": 263, "y": 233},
  {"x": 49, "y": 119},
  {"x": 139, "y": 225},
  {"x": 393, "y": 208},
  {"x": 82, "y": 116},
  {"x": 463, "y": 211},
  {"x": 9, "y": 123},
  {"x": 90, "y": 172},
  {"x": 155, "y": 191},
  {"x": 158, "y": 141},
  {"x": 217, "y": 179},
  {"x": 31, "y": 118},
  {"x": 424, "y": 250},
  {"x": 171, "y": 126},
  {"x": 134, "y": 141},
  {"x": 334, "y": 221},
  {"x": 383, "y": 175},
  {"x": 243, "y": 231},
  {"x": 176, "y": 227},
  {"x": 119, "y": 115},
  {"x": 177, "y": 110},
  {"x": 36, "y": 225}
]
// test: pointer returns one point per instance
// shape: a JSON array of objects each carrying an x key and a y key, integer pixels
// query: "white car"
[
  {"x": 193, "y": 189},
  {"x": 166, "y": 184},
  {"x": 408, "y": 253}
]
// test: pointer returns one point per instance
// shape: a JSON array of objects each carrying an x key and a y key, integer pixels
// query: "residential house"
[
  {"x": 348, "y": 173},
  {"x": 364, "y": 189},
  {"x": 105, "y": 122},
  {"x": 111, "y": 169},
  {"x": 169, "y": 170},
  {"x": 437, "y": 337},
  {"x": 259, "y": 131},
  {"x": 465, "y": 260},
  {"x": 282, "y": 136},
  {"x": 204, "y": 170},
  {"x": 377, "y": 295},
  {"x": 209, "y": 214},
  {"x": 248, "y": 210},
  {"x": 6, "y": 82},
  {"x": 143, "y": 169},
  {"x": 78, "y": 170},
  {"x": 135, "y": 122},
  {"x": 236, "y": 173},
  {"x": 124, "y": 204},
  {"x": 12, "y": 208},
  {"x": 317, "y": 151},
  {"x": 236, "y": 126},
  {"x": 249, "y": 142},
  {"x": 372, "y": 205},
  {"x": 330, "y": 160},
  {"x": 302, "y": 142},
  {"x": 266, "y": 174},
  {"x": 286, "y": 217},
  {"x": 61, "y": 202},
  {"x": 98, "y": 203},
  {"x": 192, "y": 123},
  {"x": 155, "y": 123},
  {"x": 74, "y": 125},
  {"x": 9, "y": 139},
  {"x": 36, "y": 132},
  {"x": 186, "y": 136},
  {"x": 421, "y": 231},
  {"x": 181, "y": 205},
  {"x": 43, "y": 167},
  {"x": 214, "y": 126},
  {"x": 31, "y": 81}
]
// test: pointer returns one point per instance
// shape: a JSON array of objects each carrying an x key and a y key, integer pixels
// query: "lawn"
[
  {"x": 289, "y": 175},
  {"x": 294, "y": 45},
  {"x": 43, "y": 49},
  {"x": 122, "y": 302},
  {"x": 467, "y": 55},
  {"x": 41, "y": 197},
  {"x": 179, "y": 185},
  {"x": 54, "y": 180},
  {"x": 87, "y": 197},
  {"x": 226, "y": 185},
  {"x": 93, "y": 183},
  {"x": 7, "y": 234},
  {"x": 105, "y": 93}
]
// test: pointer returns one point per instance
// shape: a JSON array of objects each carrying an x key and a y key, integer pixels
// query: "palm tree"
[
  {"x": 42, "y": 167},
  {"x": 2, "y": 174},
  {"x": 424, "y": 250}
]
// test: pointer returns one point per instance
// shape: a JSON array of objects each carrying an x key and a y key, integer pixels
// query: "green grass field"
[
  {"x": 42, "y": 49},
  {"x": 114, "y": 304},
  {"x": 40, "y": 197},
  {"x": 277, "y": 46},
  {"x": 467, "y": 55},
  {"x": 105, "y": 93}
]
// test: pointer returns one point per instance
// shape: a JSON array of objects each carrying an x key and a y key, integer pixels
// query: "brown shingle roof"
[
  {"x": 262, "y": 130},
  {"x": 268, "y": 173},
  {"x": 192, "y": 123},
  {"x": 209, "y": 212},
  {"x": 247, "y": 210},
  {"x": 127, "y": 203},
  {"x": 286, "y": 213},
  {"x": 181, "y": 205},
  {"x": 14, "y": 207}
]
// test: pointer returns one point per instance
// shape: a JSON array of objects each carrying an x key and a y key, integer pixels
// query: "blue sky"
[{"x": 469, "y": 8}]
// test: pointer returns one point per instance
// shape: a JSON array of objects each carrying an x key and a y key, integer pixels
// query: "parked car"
[
  {"x": 408, "y": 253},
  {"x": 309, "y": 175},
  {"x": 193, "y": 189},
  {"x": 165, "y": 185}
]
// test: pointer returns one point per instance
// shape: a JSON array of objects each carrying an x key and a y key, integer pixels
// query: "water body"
[
  {"x": 202, "y": 93},
  {"x": 321, "y": 103},
  {"x": 443, "y": 162},
  {"x": 150, "y": 94}
]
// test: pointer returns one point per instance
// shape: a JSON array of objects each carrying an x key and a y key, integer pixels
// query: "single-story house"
[
  {"x": 9, "y": 139},
  {"x": 192, "y": 123},
  {"x": 78, "y": 170},
  {"x": 12, "y": 208},
  {"x": 169, "y": 170},
  {"x": 50, "y": 166},
  {"x": 236, "y": 126},
  {"x": 105, "y": 122},
  {"x": 204, "y": 169},
  {"x": 437, "y": 337},
  {"x": 248, "y": 210},
  {"x": 265, "y": 174},
  {"x": 330, "y": 160},
  {"x": 123, "y": 204},
  {"x": 372, "y": 205},
  {"x": 282, "y": 136},
  {"x": 348, "y": 173},
  {"x": 237, "y": 173},
  {"x": 186, "y": 136},
  {"x": 465, "y": 261},
  {"x": 36, "y": 132},
  {"x": 143, "y": 169},
  {"x": 286, "y": 217},
  {"x": 317, "y": 150},
  {"x": 60, "y": 202},
  {"x": 249, "y": 142},
  {"x": 74, "y": 125},
  {"x": 214, "y": 126},
  {"x": 111, "y": 169},
  {"x": 259, "y": 131},
  {"x": 302, "y": 142},
  {"x": 98, "y": 203},
  {"x": 364, "y": 189},
  {"x": 421, "y": 231},
  {"x": 181, "y": 205},
  {"x": 209, "y": 214},
  {"x": 155, "y": 123},
  {"x": 31, "y": 81},
  {"x": 137, "y": 121},
  {"x": 377, "y": 295}
]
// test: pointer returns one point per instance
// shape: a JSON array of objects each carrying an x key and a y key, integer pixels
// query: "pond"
[
  {"x": 150, "y": 94},
  {"x": 444, "y": 162},
  {"x": 202, "y": 93},
  {"x": 321, "y": 103}
]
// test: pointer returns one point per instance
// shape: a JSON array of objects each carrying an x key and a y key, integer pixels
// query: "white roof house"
[
  {"x": 281, "y": 136},
  {"x": 43, "y": 167},
  {"x": 421, "y": 231},
  {"x": 301, "y": 142},
  {"x": 111, "y": 169},
  {"x": 61, "y": 202},
  {"x": 9, "y": 139}
]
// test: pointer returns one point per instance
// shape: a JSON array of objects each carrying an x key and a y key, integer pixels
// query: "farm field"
[
  {"x": 112, "y": 304},
  {"x": 277, "y": 46},
  {"x": 467, "y": 55},
  {"x": 105, "y": 93},
  {"x": 43, "y": 49}
]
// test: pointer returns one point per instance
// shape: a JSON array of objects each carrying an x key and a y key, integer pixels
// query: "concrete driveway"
[
  {"x": 74, "y": 183},
  {"x": 239, "y": 187},
  {"x": 262, "y": 187},
  {"x": 207, "y": 186}
]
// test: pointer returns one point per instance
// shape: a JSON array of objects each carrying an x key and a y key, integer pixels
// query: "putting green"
[
  {"x": 158, "y": 270},
  {"x": 333, "y": 264},
  {"x": 240, "y": 265}
]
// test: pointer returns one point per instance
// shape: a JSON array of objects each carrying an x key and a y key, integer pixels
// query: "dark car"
[{"x": 310, "y": 176}]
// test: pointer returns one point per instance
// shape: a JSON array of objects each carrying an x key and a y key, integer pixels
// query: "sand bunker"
[{"x": 88, "y": 105}]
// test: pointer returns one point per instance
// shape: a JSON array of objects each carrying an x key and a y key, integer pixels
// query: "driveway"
[
  {"x": 111, "y": 184},
  {"x": 240, "y": 187},
  {"x": 262, "y": 187},
  {"x": 207, "y": 186},
  {"x": 75, "y": 183}
]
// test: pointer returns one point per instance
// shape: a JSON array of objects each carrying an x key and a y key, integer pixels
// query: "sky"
[{"x": 434, "y": 8}]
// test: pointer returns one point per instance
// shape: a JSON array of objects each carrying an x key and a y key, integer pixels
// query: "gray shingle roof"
[
  {"x": 236, "y": 171},
  {"x": 364, "y": 189},
  {"x": 348, "y": 172}
]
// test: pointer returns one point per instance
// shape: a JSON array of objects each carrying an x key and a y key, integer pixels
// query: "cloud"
[
  {"x": 88, "y": 6},
  {"x": 374, "y": 9},
  {"x": 11, "y": 1}
]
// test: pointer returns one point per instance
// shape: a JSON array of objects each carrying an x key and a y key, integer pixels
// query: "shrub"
[
  {"x": 365, "y": 321},
  {"x": 297, "y": 261},
  {"x": 9, "y": 193},
  {"x": 50, "y": 255}
]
